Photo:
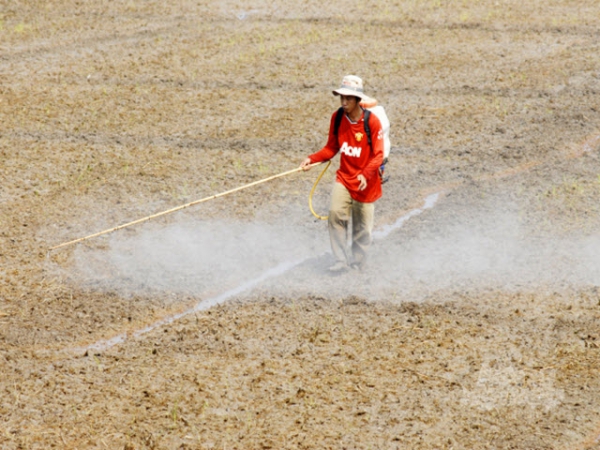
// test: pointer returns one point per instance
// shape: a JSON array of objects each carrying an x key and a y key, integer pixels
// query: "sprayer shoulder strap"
[
  {"x": 338, "y": 120},
  {"x": 367, "y": 127}
]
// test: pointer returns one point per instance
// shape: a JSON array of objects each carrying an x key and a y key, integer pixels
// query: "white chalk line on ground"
[{"x": 202, "y": 305}]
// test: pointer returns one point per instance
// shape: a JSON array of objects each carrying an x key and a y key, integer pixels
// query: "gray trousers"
[{"x": 343, "y": 211}]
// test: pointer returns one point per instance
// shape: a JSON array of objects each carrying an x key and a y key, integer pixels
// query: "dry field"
[{"x": 476, "y": 324}]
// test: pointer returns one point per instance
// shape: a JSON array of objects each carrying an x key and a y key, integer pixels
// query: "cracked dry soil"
[{"x": 476, "y": 325}]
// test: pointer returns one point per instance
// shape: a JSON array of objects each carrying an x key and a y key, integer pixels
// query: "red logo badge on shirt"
[{"x": 358, "y": 137}]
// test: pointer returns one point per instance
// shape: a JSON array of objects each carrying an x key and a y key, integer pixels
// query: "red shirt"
[{"x": 355, "y": 156}]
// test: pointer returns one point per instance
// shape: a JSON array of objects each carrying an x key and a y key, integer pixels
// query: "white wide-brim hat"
[{"x": 351, "y": 86}]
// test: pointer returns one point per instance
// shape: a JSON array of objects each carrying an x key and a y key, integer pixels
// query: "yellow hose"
[{"x": 312, "y": 191}]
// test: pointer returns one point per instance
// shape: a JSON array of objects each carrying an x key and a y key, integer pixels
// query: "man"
[{"x": 357, "y": 184}]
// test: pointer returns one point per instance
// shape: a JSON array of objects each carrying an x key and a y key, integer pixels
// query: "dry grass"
[{"x": 111, "y": 111}]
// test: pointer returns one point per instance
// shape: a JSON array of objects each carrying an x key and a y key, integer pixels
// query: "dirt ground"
[{"x": 476, "y": 324}]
